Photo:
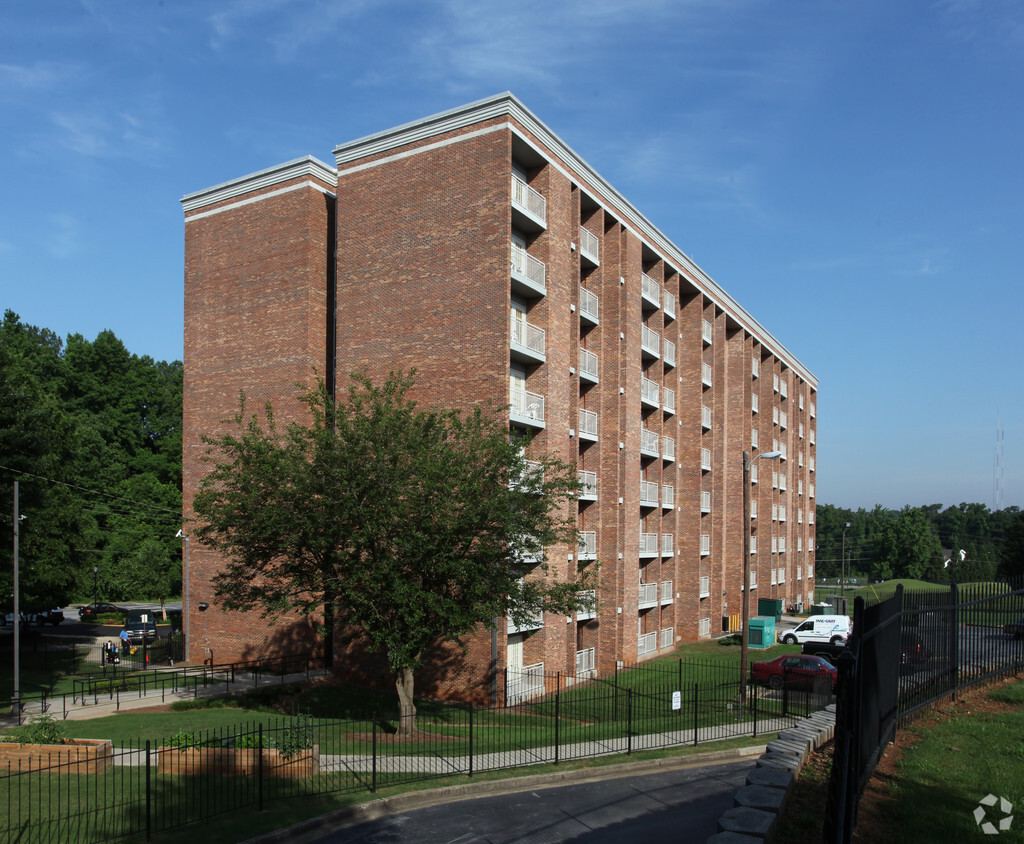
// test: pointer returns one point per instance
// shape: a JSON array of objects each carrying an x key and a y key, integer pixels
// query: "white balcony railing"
[
  {"x": 668, "y": 496},
  {"x": 532, "y": 478},
  {"x": 535, "y": 621},
  {"x": 704, "y": 628},
  {"x": 668, "y": 545},
  {"x": 705, "y": 586},
  {"x": 705, "y": 331},
  {"x": 526, "y": 407},
  {"x": 667, "y": 638},
  {"x": 648, "y": 545},
  {"x": 584, "y": 662},
  {"x": 649, "y": 443},
  {"x": 589, "y": 483},
  {"x": 668, "y": 352},
  {"x": 668, "y": 595},
  {"x": 647, "y": 596},
  {"x": 528, "y": 338},
  {"x": 668, "y": 449},
  {"x": 588, "y": 424},
  {"x": 587, "y": 545},
  {"x": 705, "y": 374},
  {"x": 589, "y": 303},
  {"x": 647, "y": 643},
  {"x": 755, "y": 403},
  {"x": 705, "y": 459},
  {"x": 584, "y": 615},
  {"x": 670, "y": 304},
  {"x": 528, "y": 199},
  {"x": 524, "y": 682},
  {"x": 648, "y": 494},
  {"x": 668, "y": 400},
  {"x": 588, "y": 366},
  {"x": 705, "y": 501},
  {"x": 705, "y": 544},
  {"x": 650, "y": 341},
  {"x": 590, "y": 246},
  {"x": 528, "y": 271},
  {"x": 650, "y": 392},
  {"x": 705, "y": 417},
  {"x": 755, "y": 367},
  {"x": 650, "y": 289}
]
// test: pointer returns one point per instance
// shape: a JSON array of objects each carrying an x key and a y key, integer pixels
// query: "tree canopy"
[{"x": 409, "y": 526}]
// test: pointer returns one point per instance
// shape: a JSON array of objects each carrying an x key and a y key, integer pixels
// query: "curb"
[
  {"x": 385, "y": 806},
  {"x": 759, "y": 804}
]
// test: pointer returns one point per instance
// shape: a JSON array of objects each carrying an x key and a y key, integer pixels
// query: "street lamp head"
[
  {"x": 179, "y": 535},
  {"x": 770, "y": 455}
]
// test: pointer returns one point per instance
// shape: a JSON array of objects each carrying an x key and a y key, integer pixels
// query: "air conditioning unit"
[{"x": 800, "y": 609}]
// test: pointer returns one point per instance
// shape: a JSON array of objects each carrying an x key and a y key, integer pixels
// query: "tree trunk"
[
  {"x": 329, "y": 632},
  {"x": 406, "y": 707}
]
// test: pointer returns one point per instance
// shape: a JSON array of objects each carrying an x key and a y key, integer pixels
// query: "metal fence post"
[
  {"x": 629, "y": 721},
  {"x": 149, "y": 797},
  {"x": 696, "y": 708},
  {"x": 471, "y": 739},
  {"x": 259, "y": 766},
  {"x": 558, "y": 701},
  {"x": 373, "y": 776}
]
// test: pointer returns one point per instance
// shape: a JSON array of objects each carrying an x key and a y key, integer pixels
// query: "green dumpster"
[
  {"x": 761, "y": 632},
  {"x": 770, "y": 606}
]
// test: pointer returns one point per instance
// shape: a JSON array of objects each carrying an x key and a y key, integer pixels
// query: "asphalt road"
[{"x": 680, "y": 805}]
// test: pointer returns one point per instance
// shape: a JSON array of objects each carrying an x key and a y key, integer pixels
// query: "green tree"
[
  {"x": 910, "y": 547},
  {"x": 411, "y": 527},
  {"x": 1011, "y": 561}
]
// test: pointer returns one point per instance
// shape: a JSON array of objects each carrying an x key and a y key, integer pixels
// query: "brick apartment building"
[{"x": 477, "y": 247}]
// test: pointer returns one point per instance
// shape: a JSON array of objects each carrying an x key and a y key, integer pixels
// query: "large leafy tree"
[
  {"x": 408, "y": 526},
  {"x": 909, "y": 547}
]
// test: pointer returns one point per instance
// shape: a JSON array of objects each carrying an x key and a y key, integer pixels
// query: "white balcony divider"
[
  {"x": 705, "y": 501},
  {"x": 528, "y": 336},
  {"x": 590, "y": 246},
  {"x": 649, "y": 441},
  {"x": 585, "y": 662},
  {"x": 648, "y": 494},
  {"x": 647, "y": 643},
  {"x": 814, "y": 410},
  {"x": 589, "y": 305},
  {"x": 755, "y": 403},
  {"x": 705, "y": 544},
  {"x": 668, "y": 449},
  {"x": 525, "y": 265},
  {"x": 650, "y": 392},
  {"x": 753, "y": 443},
  {"x": 753, "y": 544},
  {"x": 775, "y": 416},
  {"x": 648, "y": 545},
  {"x": 705, "y": 459},
  {"x": 784, "y": 388},
  {"x": 704, "y": 628},
  {"x": 705, "y": 416},
  {"x": 669, "y": 303},
  {"x": 650, "y": 289},
  {"x": 588, "y": 365},
  {"x": 775, "y": 383},
  {"x": 753, "y": 509},
  {"x": 705, "y": 374},
  {"x": 668, "y": 595},
  {"x": 587, "y": 545},
  {"x": 668, "y": 496},
  {"x": 648, "y": 596},
  {"x": 783, "y": 420},
  {"x": 705, "y": 331},
  {"x": 705, "y": 586},
  {"x": 668, "y": 545},
  {"x": 650, "y": 341},
  {"x": 526, "y": 406},
  {"x": 668, "y": 638},
  {"x": 524, "y": 682},
  {"x": 668, "y": 352},
  {"x": 584, "y": 615},
  {"x": 529, "y": 199},
  {"x": 668, "y": 400},
  {"x": 589, "y": 481},
  {"x": 587, "y": 424}
]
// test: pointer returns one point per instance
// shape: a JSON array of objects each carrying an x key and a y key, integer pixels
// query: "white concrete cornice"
[{"x": 307, "y": 166}]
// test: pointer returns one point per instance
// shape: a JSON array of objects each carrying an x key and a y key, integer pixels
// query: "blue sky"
[{"x": 851, "y": 172}]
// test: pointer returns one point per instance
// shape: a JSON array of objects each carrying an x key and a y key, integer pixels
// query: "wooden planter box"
[
  {"x": 75, "y": 756},
  {"x": 231, "y": 762}
]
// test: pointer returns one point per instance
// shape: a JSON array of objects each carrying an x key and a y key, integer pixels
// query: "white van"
[{"x": 834, "y": 629}]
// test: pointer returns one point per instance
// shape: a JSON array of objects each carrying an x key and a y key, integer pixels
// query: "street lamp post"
[
  {"x": 748, "y": 461},
  {"x": 95, "y": 588},
  {"x": 842, "y": 564},
  {"x": 184, "y": 597}
]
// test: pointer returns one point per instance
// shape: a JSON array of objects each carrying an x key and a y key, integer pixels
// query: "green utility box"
[
  {"x": 770, "y": 606},
  {"x": 761, "y": 632}
]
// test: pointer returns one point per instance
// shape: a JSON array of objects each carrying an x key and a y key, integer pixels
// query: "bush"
[{"x": 43, "y": 729}]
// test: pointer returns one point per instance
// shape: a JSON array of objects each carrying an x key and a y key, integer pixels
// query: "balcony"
[
  {"x": 705, "y": 586},
  {"x": 587, "y": 425},
  {"x": 647, "y": 643},
  {"x": 648, "y": 544},
  {"x": 586, "y": 615},
  {"x": 587, "y": 545},
  {"x": 648, "y": 494},
  {"x": 524, "y": 682},
  {"x": 526, "y": 408},
  {"x": 705, "y": 331},
  {"x": 650, "y": 343},
  {"x": 705, "y": 501},
  {"x": 650, "y": 392},
  {"x": 534, "y": 621},
  {"x": 529, "y": 208},
  {"x": 529, "y": 276},
  {"x": 589, "y": 483},
  {"x": 668, "y": 545},
  {"x": 705, "y": 417},
  {"x": 590, "y": 248},
  {"x": 668, "y": 352},
  {"x": 668, "y": 449},
  {"x": 705, "y": 544},
  {"x": 650, "y": 291},
  {"x": 588, "y": 366},
  {"x": 668, "y": 496},
  {"x": 649, "y": 443},
  {"x": 755, "y": 403},
  {"x": 667, "y": 638},
  {"x": 704, "y": 628},
  {"x": 667, "y": 593},
  {"x": 647, "y": 596},
  {"x": 585, "y": 663},
  {"x": 530, "y": 553},
  {"x": 668, "y": 400},
  {"x": 705, "y": 459},
  {"x": 528, "y": 342},
  {"x": 705, "y": 374},
  {"x": 532, "y": 478},
  {"x": 588, "y": 306},
  {"x": 670, "y": 304}
]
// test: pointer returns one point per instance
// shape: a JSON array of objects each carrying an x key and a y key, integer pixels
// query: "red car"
[{"x": 794, "y": 671}]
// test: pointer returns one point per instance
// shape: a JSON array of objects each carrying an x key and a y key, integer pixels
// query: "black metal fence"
[
  {"x": 152, "y": 786},
  {"x": 905, "y": 654}
]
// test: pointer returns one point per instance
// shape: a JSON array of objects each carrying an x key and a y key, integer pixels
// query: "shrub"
[{"x": 43, "y": 729}]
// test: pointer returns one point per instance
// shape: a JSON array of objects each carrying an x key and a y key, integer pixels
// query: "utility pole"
[{"x": 16, "y": 692}]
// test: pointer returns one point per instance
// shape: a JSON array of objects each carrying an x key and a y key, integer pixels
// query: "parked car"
[
  {"x": 91, "y": 611},
  {"x": 819, "y": 628},
  {"x": 912, "y": 649},
  {"x": 53, "y": 617},
  {"x": 797, "y": 671},
  {"x": 1015, "y": 628},
  {"x": 827, "y": 651},
  {"x": 141, "y": 632}
]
